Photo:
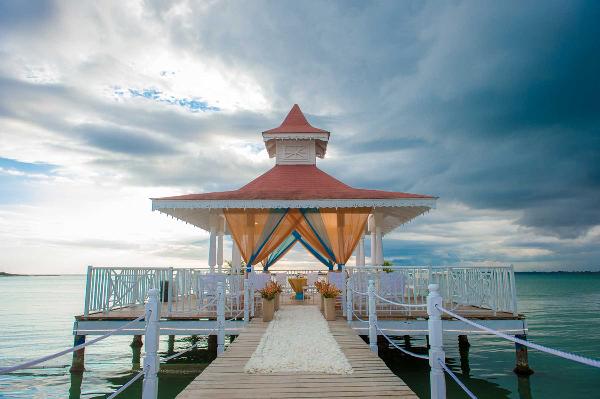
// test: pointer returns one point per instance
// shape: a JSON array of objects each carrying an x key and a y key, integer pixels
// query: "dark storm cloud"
[
  {"x": 489, "y": 104},
  {"x": 123, "y": 141},
  {"x": 24, "y": 15},
  {"x": 494, "y": 105}
]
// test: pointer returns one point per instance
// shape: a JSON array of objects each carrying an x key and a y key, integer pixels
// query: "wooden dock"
[{"x": 225, "y": 377}]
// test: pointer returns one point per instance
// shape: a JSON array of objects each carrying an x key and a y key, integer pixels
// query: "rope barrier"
[
  {"x": 126, "y": 385},
  {"x": 556, "y": 352},
  {"x": 186, "y": 350},
  {"x": 455, "y": 378},
  {"x": 196, "y": 344},
  {"x": 30, "y": 363},
  {"x": 359, "y": 319},
  {"x": 406, "y": 305},
  {"x": 402, "y": 349},
  {"x": 359, "y": 293},
  {"x": 236, "y": 316}
]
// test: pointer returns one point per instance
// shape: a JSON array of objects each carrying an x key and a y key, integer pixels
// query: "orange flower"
[
  {"x": 270, "y": 291},
  {"x": 329, "y": 290}
]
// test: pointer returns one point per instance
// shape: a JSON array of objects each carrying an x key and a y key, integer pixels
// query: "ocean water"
[{"x": 563, "y": 311}]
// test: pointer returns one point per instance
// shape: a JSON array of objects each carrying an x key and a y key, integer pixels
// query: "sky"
[{"x": 491, "y": 106}]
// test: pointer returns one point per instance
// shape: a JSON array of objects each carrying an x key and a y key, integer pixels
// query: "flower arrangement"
[
  {"x": 329, "y": 290},
  {"x": 278, "y": 286},
  {"x": 319, "y": 285},
  {"x": 270, "y": 291}
]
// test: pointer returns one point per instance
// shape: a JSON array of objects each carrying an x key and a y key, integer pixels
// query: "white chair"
[{"x": 258, "y": 281}]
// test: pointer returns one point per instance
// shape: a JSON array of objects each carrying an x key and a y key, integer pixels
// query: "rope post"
[
  {"x": 436, "y": 352},
  {"x": 220, "y": 319},
  {"x": 151, "y": 360},
  {"x": 246, "y": 301},
  {"x": 372, "y": 318},
  {"x": 349, "y": 300}
]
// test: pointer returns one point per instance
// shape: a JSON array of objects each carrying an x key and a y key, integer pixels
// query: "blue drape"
[
  {"x": 315, "y": 222},
  {"x": 313, "y": 251},
  {"x": 275, "y": 218},
  {"x": 281, "y": 250}
]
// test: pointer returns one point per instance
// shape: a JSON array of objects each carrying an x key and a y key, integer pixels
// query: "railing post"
[
  {"x": 246, "y": 301},
  {"x": 349, "y": 300},
  {"x": 436, "y": 342},
  {"x": 251, "y": 294},
  {"x": 88, "y": 291},
  {"x": 372, "y": 318},
  {"x": 170, "y": 291},
  {"x": 513, "y": 291},
  {"x": 220, "y": 319},
  {"x": 151, "y": 361}
]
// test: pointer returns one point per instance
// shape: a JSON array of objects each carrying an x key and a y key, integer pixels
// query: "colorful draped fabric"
[
  {"x": 323, "y": 259},
  {"x": 258, "y": 232},
  {"x": 280, "y": 251},
  {"x": 334, "y": 232}
]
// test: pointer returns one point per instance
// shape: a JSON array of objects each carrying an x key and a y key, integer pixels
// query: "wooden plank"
[{"x": 225, "y": 376}]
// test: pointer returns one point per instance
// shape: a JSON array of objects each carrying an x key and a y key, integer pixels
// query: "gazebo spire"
[
  {"x": 295, "y": 122},
  {"x": 296, "y": 141}
]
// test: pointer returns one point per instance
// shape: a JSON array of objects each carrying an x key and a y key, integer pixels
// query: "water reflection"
[
  {"x": 415, "y": 372},
  {"x": 174, "y": 375}
]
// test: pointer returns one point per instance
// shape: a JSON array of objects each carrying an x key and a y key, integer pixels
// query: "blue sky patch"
[
  {"x": 19, "y": 188},
  {"x": 27, "y": 167},
  {"x": 190, "y": 104}
]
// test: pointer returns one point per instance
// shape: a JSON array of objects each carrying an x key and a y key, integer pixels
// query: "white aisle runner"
[{"x": 298, "y": 340}]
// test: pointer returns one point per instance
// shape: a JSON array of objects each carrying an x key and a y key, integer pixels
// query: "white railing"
[
  {"x": 183, "y": 290},
  {"x": 436, "y": 355},
  {"x": 472, "y": 288},
  {"x": 151, "y": 341}
]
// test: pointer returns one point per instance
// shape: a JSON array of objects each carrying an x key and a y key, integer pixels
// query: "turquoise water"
[{"x": 563, "y": 311}]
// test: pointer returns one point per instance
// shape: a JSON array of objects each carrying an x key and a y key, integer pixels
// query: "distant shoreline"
[{"x": 4, "y": 274}]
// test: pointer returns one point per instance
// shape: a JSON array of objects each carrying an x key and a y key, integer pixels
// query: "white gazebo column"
[
  {"x": 212, "y": 246},
  {"x": 360, "y": 253},
  {"x": 220, "y": 233},
  {"x": 235, "y": 257},
  {"x": 373, "y": 240},
  {"x": 379, "y": 237}
]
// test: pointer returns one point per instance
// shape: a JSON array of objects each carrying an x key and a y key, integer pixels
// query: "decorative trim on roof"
[
  {"x": 158, "y": 204},
  {"x": 295, "y": 136}
]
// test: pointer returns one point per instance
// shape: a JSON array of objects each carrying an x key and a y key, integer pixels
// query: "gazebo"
[{"x": 294, "y": 202}]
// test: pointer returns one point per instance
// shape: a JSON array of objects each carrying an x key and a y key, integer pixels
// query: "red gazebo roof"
[
  {"x": 296, "y": 182},
  {"x": 295, "y": 122}
]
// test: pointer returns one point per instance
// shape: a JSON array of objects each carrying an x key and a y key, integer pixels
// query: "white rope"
[
  {"x": 126, "y": 385},
  {"x": 188, "y": 349},
  {"x": 359, "y": 293},
  {"x": 68, "y": 350},
  {"x": 406, "y": 305},
  {"x": 556, "y": 352},
  {"x": 236, "y": 316},
  {"x": 359, "y": 319},
  {"x": 455, "y": 378},
  {"x": 402, "y": 349}
]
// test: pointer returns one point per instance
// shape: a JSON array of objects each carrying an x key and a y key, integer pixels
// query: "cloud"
[{"x": 492, "y": 107}]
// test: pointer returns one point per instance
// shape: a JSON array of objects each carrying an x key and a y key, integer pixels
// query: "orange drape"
[
  {"x": 263, "y": 230},
  {"x": 258, "y": 232},
  {"x": 344, "y": 228}
]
